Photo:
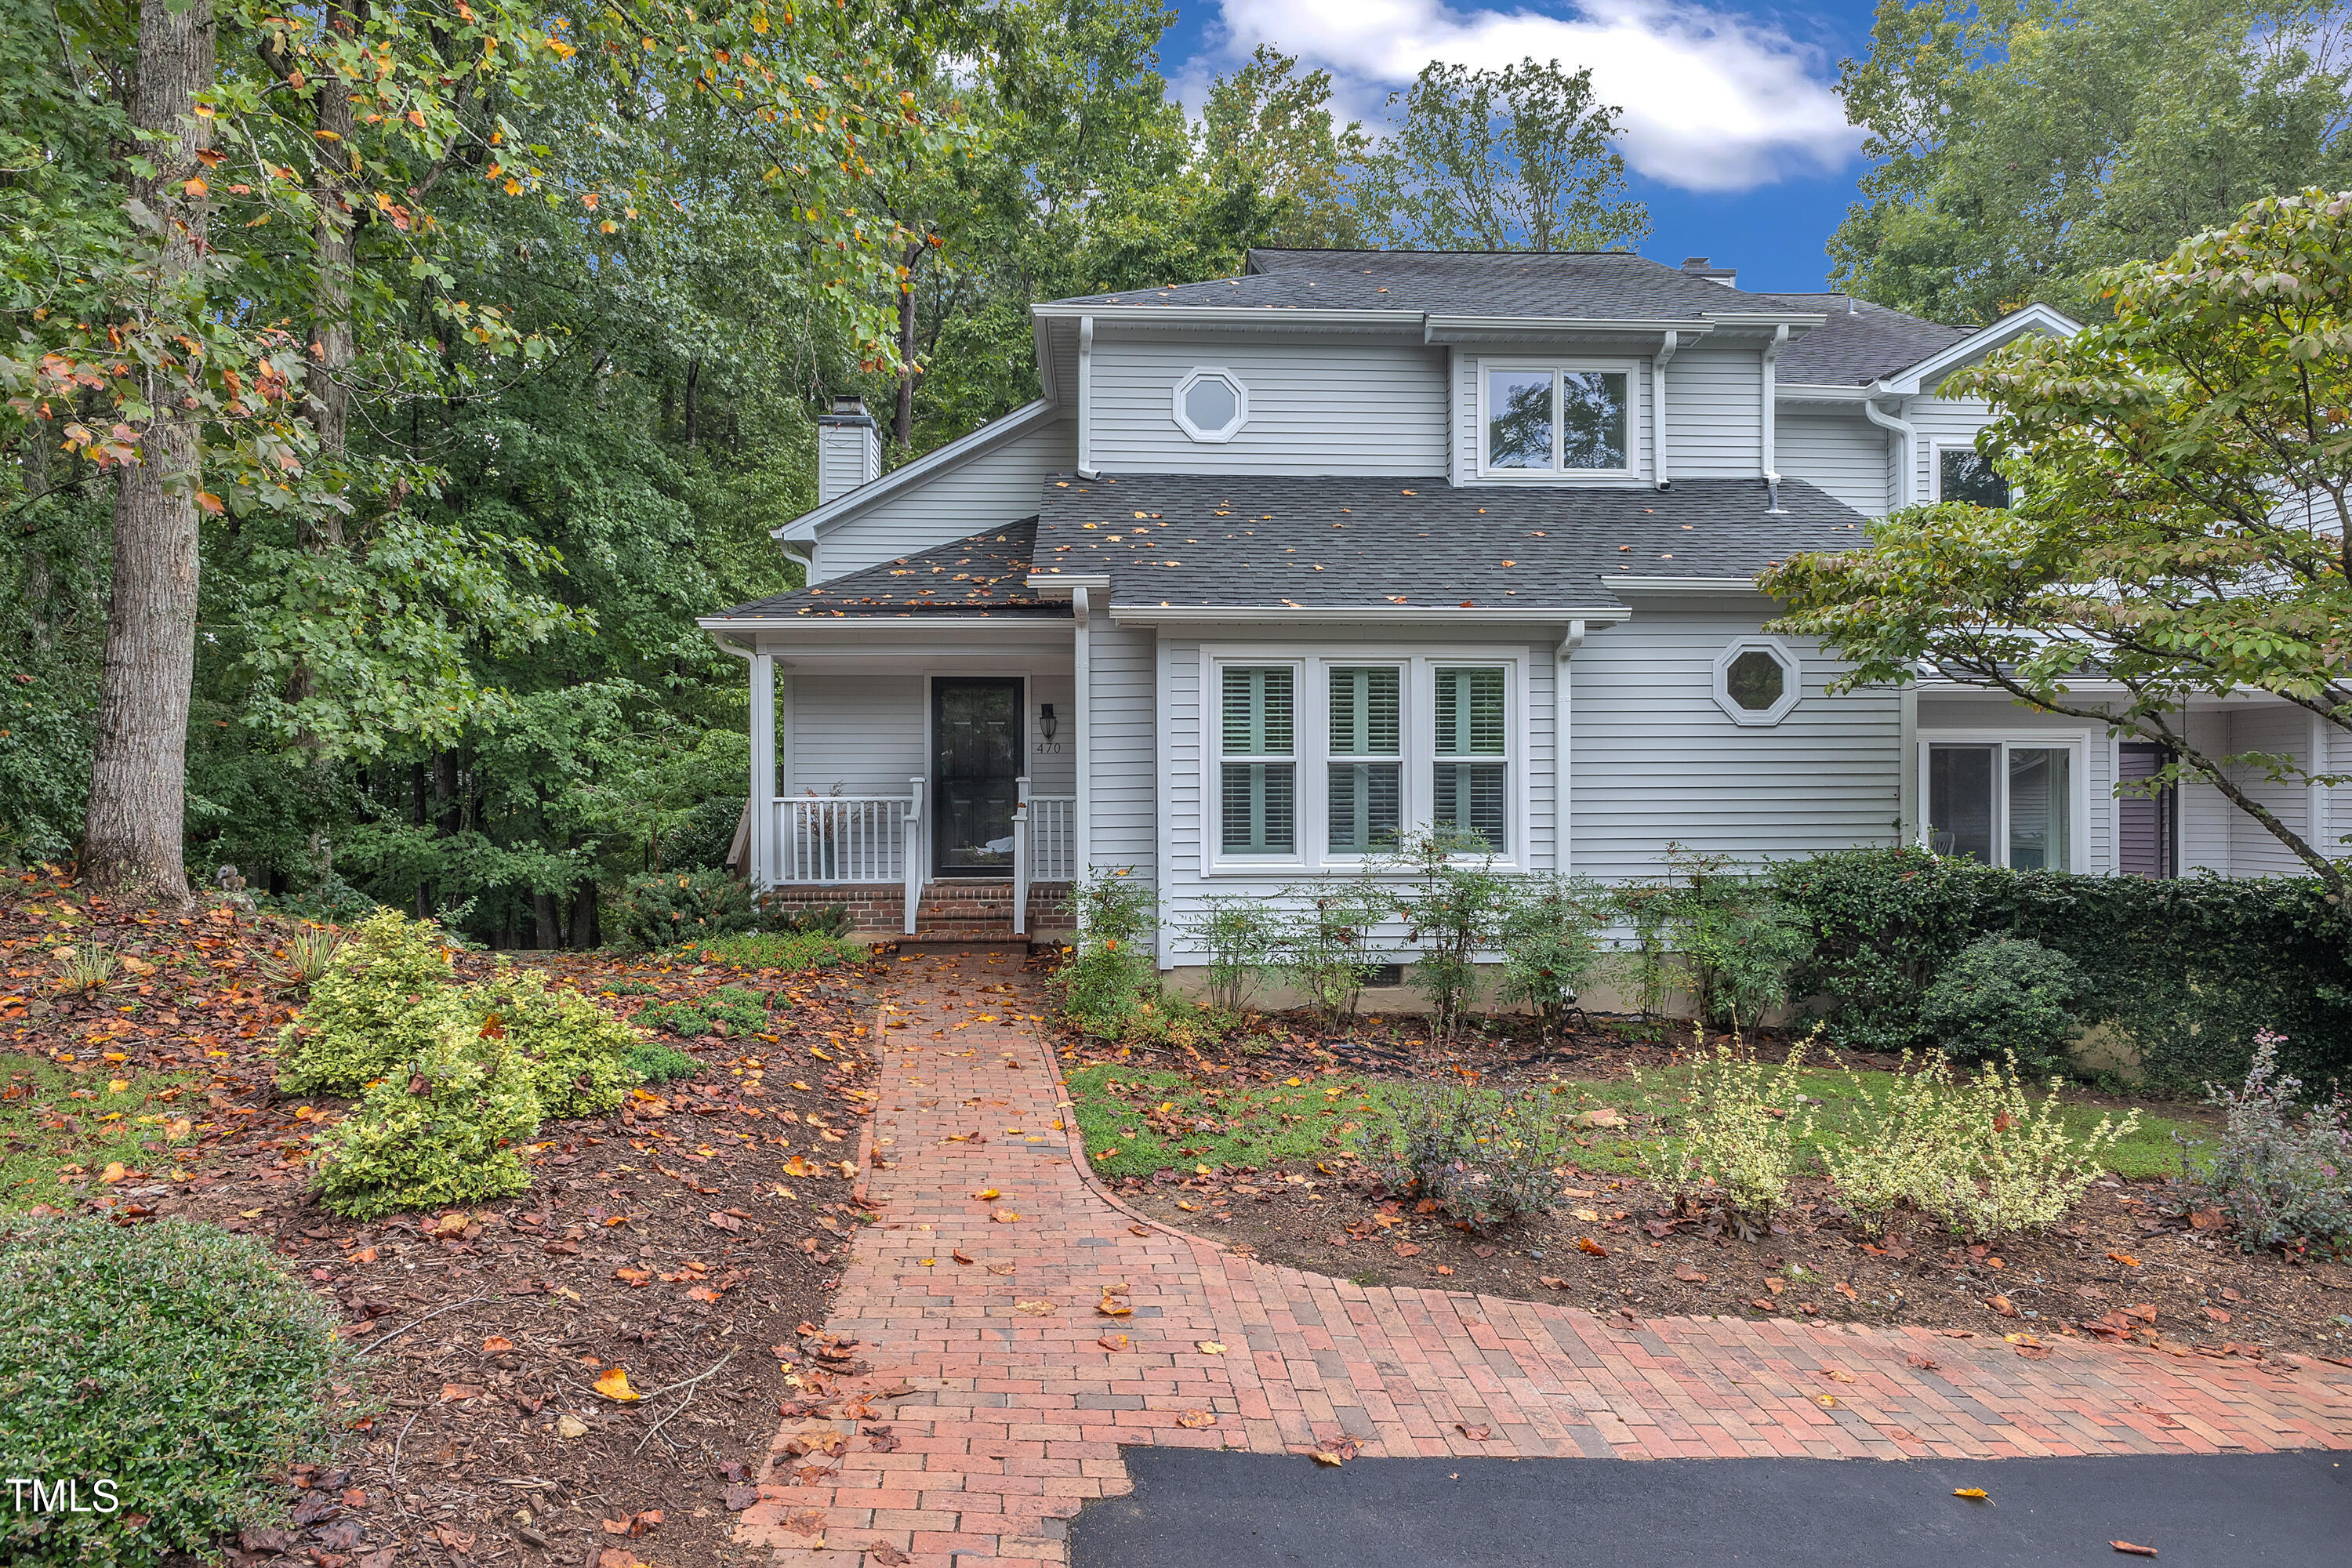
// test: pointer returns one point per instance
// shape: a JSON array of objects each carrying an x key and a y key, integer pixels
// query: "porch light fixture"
[{"x": 1046, "y": 722}]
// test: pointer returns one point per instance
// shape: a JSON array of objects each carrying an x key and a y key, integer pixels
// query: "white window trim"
[
  {"x": 1202, "y": 433},
  {"x": 1311, "y": 745},
  {"x": 1792, "y": 693},
  {"x": 1631, "y": 371},
  {"x": 1936, "y": 450},
  {"x": 2078, "y": 783}
]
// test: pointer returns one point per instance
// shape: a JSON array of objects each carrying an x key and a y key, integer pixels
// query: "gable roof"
[
  {"x": 982, "y": 438},
  {"x": 984, "y": 575},
  {"x": 1403, "y": 549},
  {"x": 1859, "y": 343}
]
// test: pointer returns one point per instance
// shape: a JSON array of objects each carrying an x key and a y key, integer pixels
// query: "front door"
[{"x": 976, "y": 754}]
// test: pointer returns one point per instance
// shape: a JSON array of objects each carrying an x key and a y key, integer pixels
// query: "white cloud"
[{"x": 1711, "y": 100}]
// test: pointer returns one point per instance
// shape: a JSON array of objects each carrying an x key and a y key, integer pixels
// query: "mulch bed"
[
  {"x": 686, "y": 1242},
  {"x": 2122, "y": 1266}
]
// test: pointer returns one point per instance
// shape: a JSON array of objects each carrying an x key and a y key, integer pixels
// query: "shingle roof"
[
  {"x": 1187, "y": 540},
  {"x": 981, "y": 575},
  {"x": 1860, "y": 342}
]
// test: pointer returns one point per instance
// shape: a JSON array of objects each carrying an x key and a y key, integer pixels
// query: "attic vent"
[{"x": 1699, "y": 267}]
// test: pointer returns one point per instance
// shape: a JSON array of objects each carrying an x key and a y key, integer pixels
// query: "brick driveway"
[{"x": 1019, "y": 1414}]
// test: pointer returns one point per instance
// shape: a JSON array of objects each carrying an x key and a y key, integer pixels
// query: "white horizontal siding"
[
  {"x": 1715, "y": 412},
  {"x": 1654, "y": 761},
  {"x": 1315, "y": 407},
  {"x": 1941, "y": 422},
  {"x": 1000, "y": 486},
  {"x": 1837, "y": 449},
  {"x": 2206, "y": 814},
  {"x": 1124, "y": 750}
]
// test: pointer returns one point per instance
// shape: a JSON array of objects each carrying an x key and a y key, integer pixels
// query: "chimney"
[
  {"x": 1697, "y": 265},
  {"x": 849, "y": 448}
]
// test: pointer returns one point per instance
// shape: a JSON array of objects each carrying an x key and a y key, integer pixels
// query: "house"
[{"x": 1281, "y": 562}]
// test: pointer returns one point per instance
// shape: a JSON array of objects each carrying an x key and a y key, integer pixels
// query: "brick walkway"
[{"x": 1018, "y": 1416}]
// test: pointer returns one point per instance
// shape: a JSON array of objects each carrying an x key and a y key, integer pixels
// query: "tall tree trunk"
[
  {"x": 693, "y": 379},
  {"x": 333, "y": 234},
  {"x": 139, "y": 773},
  {"x": 902, "y": 424},
  {"x": 551, "y": 935}
]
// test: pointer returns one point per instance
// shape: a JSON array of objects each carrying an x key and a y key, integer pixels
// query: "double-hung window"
[
  {"x": 1470, "y": 762},
  {"x": 1366, "y": 758},
  {"x": 1258, "y": 795},
  {"x": 2002, "y": 804},
  {"x": 1542, "y": 420}
]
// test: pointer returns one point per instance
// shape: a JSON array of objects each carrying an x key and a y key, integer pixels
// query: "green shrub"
[
  {"x": 174, "y": 1358},
  {"x": 1454, "y": 902},
  {"x": 806, "y": 919},
  {"x": 743, "y": 1012},
  {"x": 384, "y": 996},
  {"x": 573, "y": 1047},
  {"x": 1239, "y": 935},
  {"x": 1551, "y": 945},
  {"x": 767, "y": 949},
  {"x": 1322, "y": 942},
  {"x": 650, "y": 1061},
  {"x": 2277, "y": 1183},
  {"x": 1166, "y": 1018},
  {"x": 1736, "y": 1133},
  {"x": 2004, "y": 997},
  {"x": 1724, "y": 935},
  {"x": 1882, "y": 923},
  {"x": 1483, "y": 1156},
  {"x": 443, "y": 1128},
  {"x": 668, "y": 908},
  {"x": 1110, "y": 970}
]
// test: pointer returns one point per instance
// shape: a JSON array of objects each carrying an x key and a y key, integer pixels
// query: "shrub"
[
  {"x": 743, "y": 1012},
  {"x": 1321, "y": 942},
  {"x": 385, "y": 996},
  {"x": 443, "y": 1129},
  {"x": 1551, "y": 942},
  {"x": 177, "y": 1360},
  {"x": 1738, "y": 1131},
  {"x": 1108, "y": 971},
  {"x": 2276, "y": 1182},
  {"x": 1483, "y": 1156},
  {"x": 1453, "y": 912},
  {"x": 1239, "y": 936},
  {"x": 1882, "y": 921},
  {"x": 2003, "y": 996},
  {"x": 766, "y": 950},
  {"x": 807, "y": 920},
  {"x": 668, "y": 908},
  {"x": 650, "y": 1061},
  {"x": 85, "y": 966},
  {"x": 1737, "y": 943},
  {"x": 575, "y": 1049},
  {"x": 305, "y": 956},
  {"x": 2030, "y": 1171}
]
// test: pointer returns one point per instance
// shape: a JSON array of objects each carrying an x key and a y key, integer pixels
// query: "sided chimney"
[
  {"x": 849, "y": 448},
  {"x": 1697, "y": 265}
]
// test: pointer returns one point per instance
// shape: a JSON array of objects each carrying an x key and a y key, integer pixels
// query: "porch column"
[
  {"x": 763, "y": 783},
  {"x": 1083, "y": 844}
]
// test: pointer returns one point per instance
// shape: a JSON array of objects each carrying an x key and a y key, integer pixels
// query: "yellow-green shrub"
[
  {"x": 385, "y": 996},
  {"x": 1738, "y": 1131},
  {"x": 442, "y": 1127},
  {"x": 575, "y": 1050}
]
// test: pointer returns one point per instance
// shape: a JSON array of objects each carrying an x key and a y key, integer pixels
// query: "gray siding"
[
  {"x": 1942, "y": 422},
  {"x": 1124, "y": 748},
  {"x": 1653, "y": 760},
  {"x": 2253, "y": 850},
  {"x": 1715, "y": 412},
  {"x": 1315, "y": 407},
  {"x": 997, "y": 487},
  {"x": 860, "y": 730},
  {"x": 2206, "y": 814},
  {"x": 1464, "y": 450},
  {"x": 1837, "y": 450},
  {"x": 1999, "y": 715}
]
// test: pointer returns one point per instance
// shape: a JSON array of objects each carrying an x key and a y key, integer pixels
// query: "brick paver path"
[{"x": 1019, "y": 1415}]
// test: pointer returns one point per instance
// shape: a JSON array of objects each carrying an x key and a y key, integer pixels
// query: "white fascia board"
[
  {"x": 1799, "y": 392},
  {"x": 1464, "y": 329},
  {"x": 1764, "y": 318},
  {"x": 1924, "y": 375},
  {"x": 930, "y": 466},
  {"x": 1271, "y": 317},
  {"x": 1364, "y": 614}
]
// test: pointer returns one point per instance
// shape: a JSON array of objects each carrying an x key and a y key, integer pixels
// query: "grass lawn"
[
  {"x": 63, "y": 1127},
  {"x": 1152, "y": 1120}
]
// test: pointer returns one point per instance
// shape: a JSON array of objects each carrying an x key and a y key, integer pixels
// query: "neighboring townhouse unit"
[{"x": 1281, "y": 564}]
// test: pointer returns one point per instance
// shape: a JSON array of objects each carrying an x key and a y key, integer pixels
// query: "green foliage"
[
  {"x": 1322, "y": 941},
  {"x": 1239, "y": 936},
  {"x": 57, "y": 1125},
  {"x": 2279, "y": 1183},
  {"x": 670, "y": 908},
  {"x": 1109, "y": 970},
  {"x": 577, "y": 1050},
  {"x": 386, "y": 996},
  {"x": 650, "y": 1061},
  {"x": 1267, "y": 129},
  {"x": 2019, "y": 147},
  {"x": 305, "y": 955},
  {"x": 1455, "y": 904},
  {"x": 1166, "y": 1018},
  {"x": 2186, "y": 971},
  {"x": 1724, "y": 935},
  {"x": 1735, "y": 1132},
  {"x": 807, "y": 920},
  {"x": 1551, "y": 942},
  {"x": 1485, "y": 1156},
  {"x": 177, "y": 1361},
  {"x": 1127, "y": 1133},
  {"x": 743, "y": 1012},
  {"x": 2003, "y": 996},
  {"x": 444, "y": 1127},
  {"x": 764, "y": 950}
]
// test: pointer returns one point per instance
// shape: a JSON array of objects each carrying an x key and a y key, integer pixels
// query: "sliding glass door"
[{"x": 2002, "y": 802}]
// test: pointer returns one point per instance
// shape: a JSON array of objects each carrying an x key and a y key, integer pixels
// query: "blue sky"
[{"x": 1737, "y": 140}]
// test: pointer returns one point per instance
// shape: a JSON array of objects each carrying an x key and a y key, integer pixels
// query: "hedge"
[{"x": 2186, "y": 969}]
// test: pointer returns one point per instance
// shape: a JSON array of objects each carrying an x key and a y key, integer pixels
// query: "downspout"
[
  {"x": 758, "y": 804},
  {"x": 1082, "y": 670},
  {"x": 1903, "y": 475},
  {"x": 1086, "y": 470},
  {"x": 1772, "y": 409},
  {"x": 1560, "y": 694},
  {"x": 1665, "y": 357}
]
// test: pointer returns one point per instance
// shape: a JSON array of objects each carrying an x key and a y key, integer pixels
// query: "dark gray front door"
[{"x": 976, "y": 755}]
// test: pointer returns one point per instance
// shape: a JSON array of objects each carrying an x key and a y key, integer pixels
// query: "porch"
[{"x": 875, "y": 856}]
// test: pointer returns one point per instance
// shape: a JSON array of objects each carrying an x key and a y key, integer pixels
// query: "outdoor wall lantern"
[{"x": 1046, "y": 722}]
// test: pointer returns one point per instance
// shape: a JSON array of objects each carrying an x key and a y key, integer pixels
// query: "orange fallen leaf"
[
  {"x": 1551, "y": 1281},
  {"x": 1407, "y": 1249},
  {"x": 2131, "y": 1550},
  {"x": 1033, "y": 1309},
  {"x": 2001, "y": 1304},
  {"x": 959, "y": 1256},
  {"x": 1475, "y": 1434},
  {"x": 1688, "y": 1274},
  {"x": 1585, "y": 1243},
  {"x": 454, "y": 1392},
  {"x": 1197, "y": 1418},
  {"x": 1004, "y": 1216},
  {"x": 986, "y": 1194},
  {"x": 496, "y": 1344},
  {"x": 614, "y": 1385},
  {"x": 1111, "y": 1307},
  {"x": 796, "y": 1167},
  {"x": 1113, "y": 1342},
  {"x": 2125, "y": 1258},
  {"x": 1974, "y": 1494}
]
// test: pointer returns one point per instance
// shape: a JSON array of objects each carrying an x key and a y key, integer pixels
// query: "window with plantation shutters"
[
  {"x": 1366, "y": 760},
  {"x": 1468, "y": 780},
  {"x": 1259, "y": 777}
]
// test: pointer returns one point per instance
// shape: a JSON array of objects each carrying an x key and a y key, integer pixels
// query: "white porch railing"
[
  {"x": 1053, "y": 837},
  {"x": 840, "y": 838}
]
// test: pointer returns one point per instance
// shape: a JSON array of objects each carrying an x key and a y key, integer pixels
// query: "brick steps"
[{"x": 951, "y": 909}]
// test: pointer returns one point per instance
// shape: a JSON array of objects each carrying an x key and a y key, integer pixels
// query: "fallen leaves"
[
  {"x": 2125, "y": 1258},
  {"x": 1197, "y": 1418},
  {"x": 1112, "y": 1307},
  {"x": 1974, "y": 1494},
  {"x": 1208, "y": 1347},
  {"x": 1113, "y": 1342},
  {"x": 1004, "y": 1216},
  {"x": 614, "y": 1385},
  {"x": 1475, "y": 1434},
  {"x": 2131, "y": 1550},
  {"x": 1337, "y": 1454},
  {"x": 1033, "y": 1309},
  {"x": 1590, "y": 1248},
  {"x": 1688, "y": 1274}
]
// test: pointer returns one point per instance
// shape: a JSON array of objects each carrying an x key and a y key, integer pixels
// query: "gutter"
[
  {"x": 1906, "y": 474},
  {"x": 1363, "y": 614},
  {"x": 1085, "y": 464},
  {"x": 1658, "y": 361},
  {"x": 1769, "y": 432}
]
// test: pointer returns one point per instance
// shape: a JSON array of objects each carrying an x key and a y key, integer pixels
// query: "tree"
[
  {"x": 2184, "y": 475},
  {"x": 2024, "y": 145},
  {"x": 1517, "y": 159},
  {"x": 1269, "y": 128}
]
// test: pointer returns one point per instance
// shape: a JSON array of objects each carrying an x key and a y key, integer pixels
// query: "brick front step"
[{"x": 959, "y": 909}]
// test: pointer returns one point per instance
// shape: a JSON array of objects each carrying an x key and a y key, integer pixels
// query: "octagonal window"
[
  {"x": 1756, "y": 682},
  {"x": 1211, "y": 405}
]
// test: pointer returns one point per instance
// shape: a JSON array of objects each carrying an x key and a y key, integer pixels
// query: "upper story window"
[
  {"x": 1542, "y": 420},
  {"x": 1211, "y": 405},
  {"x": 1962, "y": 473}
]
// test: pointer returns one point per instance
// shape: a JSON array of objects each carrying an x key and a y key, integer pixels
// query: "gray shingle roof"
[
  {"x": 1187, "y": 540},
  {"x": 1860, "y": 342},
  {"x": 981, "y": 575}
]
